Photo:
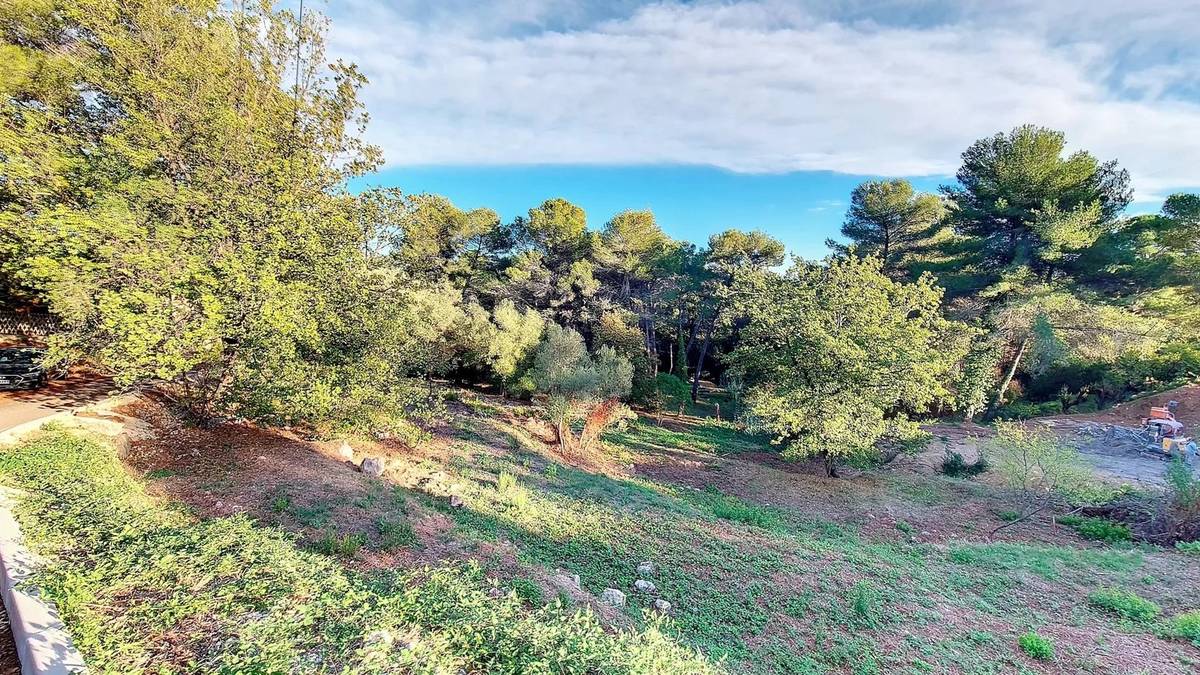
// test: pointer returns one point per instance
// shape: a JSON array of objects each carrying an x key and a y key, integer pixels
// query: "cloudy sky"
[{"x": 760, "y": 112}]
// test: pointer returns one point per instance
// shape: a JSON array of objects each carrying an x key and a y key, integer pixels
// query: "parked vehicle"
[{"x": 23, "y": 368}]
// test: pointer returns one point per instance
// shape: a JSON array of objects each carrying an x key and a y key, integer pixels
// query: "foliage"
[
  {"x": 1097, "y": 529},
  {"x": 888, "y": 219},
  {"x": 1024, "y": 410},
  {"x": 1192, "y": 547},
  {"x": 1125, "y": 604},
  {"x": 1033, "y": 461},
  {"x": 241, "y": 598},
  {"x": 579, "y": 386},
  {"x": 839, "y": 357},
  {"x": 517, "y": 334},
  {"x": 954, "y": 465},
  {"x": 1037, "y": 646},
  {"x": 1186, "y": 626}
]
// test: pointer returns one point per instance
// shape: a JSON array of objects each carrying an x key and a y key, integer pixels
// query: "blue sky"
[
  {"x": 759, "y": 113},
  {"x": 800, "y": 209}
]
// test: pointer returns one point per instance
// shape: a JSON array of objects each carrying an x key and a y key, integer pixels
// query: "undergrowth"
[{"x": 142, "y": 584}]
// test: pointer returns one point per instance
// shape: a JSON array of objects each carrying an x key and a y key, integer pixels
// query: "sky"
[{"x": 759, "y": 113}]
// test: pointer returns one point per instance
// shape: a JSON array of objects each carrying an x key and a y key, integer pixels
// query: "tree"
[
  {"x": 553, "y": 269},
  {"x": 174, "y": 192},
  {"x": 730, "y": 254},
  {"x": 579, "y": 386},
  {"x": 887, "y": 218},
  {"x": 1027, "y": 204},
  {"x": 516, "y": 336},
  {"x": 839, "y": 357},
  {"x": 1036, "y": 465}
]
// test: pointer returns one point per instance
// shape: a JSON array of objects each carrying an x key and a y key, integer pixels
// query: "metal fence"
[{"x": 27, "y": 325}]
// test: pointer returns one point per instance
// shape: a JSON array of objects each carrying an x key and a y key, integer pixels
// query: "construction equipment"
[{"x": 1162, "y": 423}]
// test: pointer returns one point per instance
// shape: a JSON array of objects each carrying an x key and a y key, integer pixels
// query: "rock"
[
  {"x": 346, "y": 452},
  {"x": 644, "y": 586},
  {"x": 612, "y": 597},
  {"x": 457, "y": 502},
  {"x": 372, "y": 466},
  {"x": 378, "y": 640},
  {"x": 662, "y": 605},
  {"x": 495, "y": 593},
  {"x": 645, "y": 569}
]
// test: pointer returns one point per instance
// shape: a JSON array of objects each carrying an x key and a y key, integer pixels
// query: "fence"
[{"x": 27, "y": 325}]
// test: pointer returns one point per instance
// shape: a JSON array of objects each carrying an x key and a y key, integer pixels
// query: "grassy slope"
[
  {"x": 143, "y": 585},
  {"x": 762, "y": 588}
]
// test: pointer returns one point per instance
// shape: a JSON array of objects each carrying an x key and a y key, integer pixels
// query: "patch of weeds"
[
  {"x": 528, "y": 591},
  {"x": 1097, "y": 529},
  {"x": 1037, "y": 646},
  {"x": 981, "y": 637},
  {"x": 730, "y": 507},
  {"x": 1125, "y": 604},
  {"x": 864, "y": 603},
  {"x": 551, "y": 471},
  {"x": 924, "y": 494},
  {"x": 345, "y": 546},
  {"x": 394, "y": 533},
  {"x": 315, "y": 514},
  {"x": 905, "y": 527},
  {"x": 1045, "y": 561},
  {"x": 1186, "y": 626},
  {"x": 512, "y": 492},
  {"x": 1008, "y": 516},
  {"x": 280, "y": 503},
  {"x": 1192, "y": 547},
  {"x": 157, "y": 474}
]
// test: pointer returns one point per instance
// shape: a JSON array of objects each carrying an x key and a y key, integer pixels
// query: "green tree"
[
  {"x": 1024, "y": 203},
  {"x": 888, "y": 219},
  {"x": 174, "y": 191},
  {"x": 579, "y": 385},
  {"x": 730, "y": 254},
  {"x": 839, "y": 357}
]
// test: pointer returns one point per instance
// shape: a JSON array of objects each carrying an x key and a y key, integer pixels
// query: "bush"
[
  {"x": 1097, "y": 529},
  {"x": 954, "y": 465},
  {"x": 1037, "y": 646},
  {"x": 227, "y": 596},
  {"x": 1023, "y": 410},
  {"x": 1192, "y": 547},
  {"x": 1186, "y": 626},
  {"x": 1125, "y": 604},
  {"x": 672, "y": 389}
]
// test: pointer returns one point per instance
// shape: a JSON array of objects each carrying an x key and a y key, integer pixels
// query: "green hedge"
[{"x": 144, "y": 586}]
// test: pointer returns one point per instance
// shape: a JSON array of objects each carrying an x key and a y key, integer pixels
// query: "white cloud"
[{"x": 893, "y": 89}]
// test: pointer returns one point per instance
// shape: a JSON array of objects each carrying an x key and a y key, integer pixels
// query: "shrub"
[
  {"x": 346, "y": 545},
  {"x": 394, "y": 534},
  {"x": 1186, "y": 626},
  {"x": 1125, "y": 604},
  {"x": 528, "y": 591},
  {"x": 954, "y": 465},
  {"x": 1097, "y": 529},
  {"x": 864, "y": 600},
  {"x": 1023, "y": 410},
  {"x": 1192, "y": 547},
  {"x": 1037, "y": 646}
]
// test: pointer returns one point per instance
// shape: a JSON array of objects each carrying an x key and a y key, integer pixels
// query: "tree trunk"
[
  {"x": 1011, "y": 372},
  {"x": 830, "y": 466},
  {"x": 700, "y": 366}
]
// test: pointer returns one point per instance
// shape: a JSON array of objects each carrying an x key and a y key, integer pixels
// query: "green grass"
[
  {"x": 1125, "y": 604},
  {"x": 729, "y": 507},
  {"x": 710, "y": 437},
  {"x": 1049, "y": 562},
  {"x": 1097, "y": 529},
  {"x": 1192, "y": 547},
  {"x": 140, "y": 582},
  {"x": 1037, "y": 646},
  {"x": 1186, "y": 626},
  {"x": 394, "y": 533}
]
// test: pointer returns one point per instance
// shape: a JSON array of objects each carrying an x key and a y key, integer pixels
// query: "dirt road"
[{"x": 19, "y": 407}]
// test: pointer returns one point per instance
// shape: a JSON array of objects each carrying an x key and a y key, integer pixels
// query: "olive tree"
[
  {"x": 838, "y": 356},
  {"x": 579, "y": 385}
]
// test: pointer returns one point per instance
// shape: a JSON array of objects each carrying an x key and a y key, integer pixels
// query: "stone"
[
  {"x": 612, "y": 597},
  {"x": 378, "y": 640},
  {"x": 346, "y": 452},
  {"x": 457, "y": 502},
  {"x": 662, "y": 605},
  {"x": 644, "y": 586},
  {"x": 645, "y": 568},
  {"x": 372, "y": 466}
]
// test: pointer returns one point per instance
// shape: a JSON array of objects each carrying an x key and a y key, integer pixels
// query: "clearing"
[{"x": 768, "y": 566}]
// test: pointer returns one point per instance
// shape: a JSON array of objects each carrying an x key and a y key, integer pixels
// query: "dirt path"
[{"x": 19, "y": 407}]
